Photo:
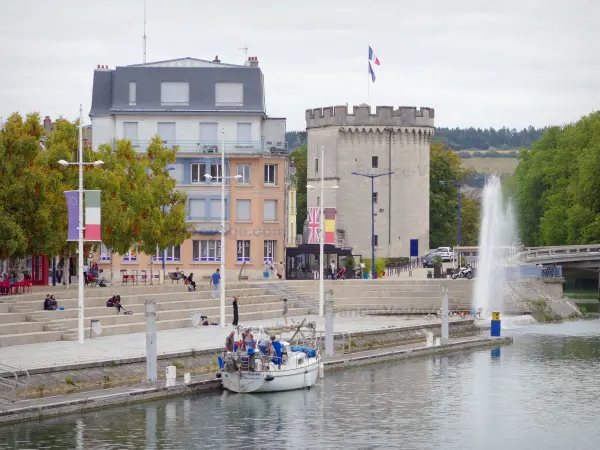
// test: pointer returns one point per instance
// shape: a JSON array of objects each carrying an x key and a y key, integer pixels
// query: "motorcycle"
[{"x": 463, "y": 272}]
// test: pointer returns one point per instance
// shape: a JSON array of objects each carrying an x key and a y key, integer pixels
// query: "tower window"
[{"x": 374, "y": 162}]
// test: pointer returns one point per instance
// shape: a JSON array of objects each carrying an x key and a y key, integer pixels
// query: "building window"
[
  {"x": 271, "y": 174},
  {"x": 270, "y": 213},
  {"x": 215, "y": 209},
  {"x": 132, "y": 93},
  {"x": 318, "y": 201},
  {"x": 166, "y": 131},
  {"x": 174, "y": 93},
  {"x": 243, "y": 170},
  {"x": 374, "y": 162},
  {"x": 243, "y": 211},
  {"x": 270, "y": 251},
  {"x": 375, "y": 240},
  {"x": 130, "y": 132},
  {"x": 244, "y": 133},
  {"x": 209, "y": 137},
  {"x": 177, "y": 172},
  {"x": 197, "y": 209},
  {"x": 216, "y": 172},
  {"x": 130, "y": 256},
  {"x": 104, "y": 253},
  {"x": 374, "y": 197},
  {"x": 317, "y": 165},
  {"x": 198, "y": 170},
  {"x": 206, "y": 251},
  {"x": 243, "y": 251},
  {"x": 172, "y": 253},
  {"x": 229, "y": 94}
]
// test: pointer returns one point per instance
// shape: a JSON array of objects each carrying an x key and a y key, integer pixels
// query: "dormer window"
[
  {"x": 132, "y": 93},
  {"x": 174, "y": 93}
]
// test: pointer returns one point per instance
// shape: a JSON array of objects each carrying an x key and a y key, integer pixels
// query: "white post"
[
  {"x": 444, "y": 312},
  {"x": 329, "y": 326},
  {"x": 222, "y": 309},
  {"x": 151, "y": 368},
  {"x": 322, "y": 239},
  {"x": 81, "y": 336}
]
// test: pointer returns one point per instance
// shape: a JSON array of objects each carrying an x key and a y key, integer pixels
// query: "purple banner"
[{"x": 73, "y": 207}]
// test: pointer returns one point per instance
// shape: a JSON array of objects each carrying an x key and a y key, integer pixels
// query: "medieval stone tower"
[{"x": 388, "y": 141}]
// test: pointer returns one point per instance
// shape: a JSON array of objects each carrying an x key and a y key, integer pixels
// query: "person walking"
[
  {"x": 316, "y": 269},
  {"x": 280, "y": 270},
  {"x": 266, "y": 269},
  {"x": 215, "y": 280},
  {"x": 235, "y": 312},
  {"x": 285, "y": 310}
]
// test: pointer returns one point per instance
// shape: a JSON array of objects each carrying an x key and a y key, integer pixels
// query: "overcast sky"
[{"x": 477, "y": 63}]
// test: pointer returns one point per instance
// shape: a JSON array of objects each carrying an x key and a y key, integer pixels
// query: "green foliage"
[
  {"x": 135, "y": 189},
  {"x": 380, "y": 265},
  {"x": 179, "y": 364},
  {"x": 504, "y": 138},
  {"x": 437, "y": 260},
  {"x": 299, "y": 155},
  {"x": 69, "y": 381},
  {"x": 350, "y": 263},
  {"x": 470, "y": 217},
  {"x": 443, "y": 212},
  {"x": 464, "y": 155},
  {"x": 295, "y": 139},
  {"x": 557, "y": 184}
]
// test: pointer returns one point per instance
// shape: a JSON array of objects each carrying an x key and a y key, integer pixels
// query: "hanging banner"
[
  {"x": 314, "y": 225},
  {"x": 92, "y": 216},
  {"x": 72, "y": 198}
]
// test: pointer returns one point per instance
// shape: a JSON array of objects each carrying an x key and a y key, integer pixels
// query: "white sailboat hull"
[{"x": 274, "y": 380}]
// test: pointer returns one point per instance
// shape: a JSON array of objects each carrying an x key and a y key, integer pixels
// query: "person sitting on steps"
[{"x": 50, "y": 303}]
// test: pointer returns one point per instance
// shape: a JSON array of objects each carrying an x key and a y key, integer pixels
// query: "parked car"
[
  {"x": 445, "y": 253},
  {"x": 428, "y": 260}
]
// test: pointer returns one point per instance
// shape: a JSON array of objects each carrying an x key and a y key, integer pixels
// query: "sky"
[{"x": 482, "y": 64}]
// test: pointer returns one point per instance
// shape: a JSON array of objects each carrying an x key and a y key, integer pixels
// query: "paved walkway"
[{"x": 114, "y": 348}]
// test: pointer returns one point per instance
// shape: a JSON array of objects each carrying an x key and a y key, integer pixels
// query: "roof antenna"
[
  {"x": 144, "y": 31},
  {"x": 245, "y": 52}
]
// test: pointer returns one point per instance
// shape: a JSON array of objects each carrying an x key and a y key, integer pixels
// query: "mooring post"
[
  {"x": 151, "y": 367},
  {"x": 445, "y": 318},
  {"x": 328, "y": 324}
]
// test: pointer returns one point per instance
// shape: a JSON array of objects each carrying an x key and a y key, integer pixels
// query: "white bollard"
[
  {"x": 321, "y": 371},
  {"x": 429, "y": 339},
  {"x": 438, "y": 341},
  {"x": 151, "y": 344},
  {"x": 187, "y": 378},
  {"x": 445, "y": 332},
  {"x": 171, "y": 375},
  {"x": 196, "y": 317}
]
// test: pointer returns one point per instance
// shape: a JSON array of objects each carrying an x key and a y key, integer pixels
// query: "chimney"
[
  {"x": 253, "y": 61},
  {"x": 47, "y": 124},
  {"x": 217, "y": 60}
]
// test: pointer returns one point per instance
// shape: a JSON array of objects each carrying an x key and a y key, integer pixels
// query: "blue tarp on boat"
[{"x": 311, "y": 353}]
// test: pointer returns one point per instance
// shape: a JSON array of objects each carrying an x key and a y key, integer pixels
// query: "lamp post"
[
  {"x": 80, "y": 165},
  {"x": 457, "y": 186},
  {"x": 372, "y": 177},
  {"x": 168, "y": 169},
  {"x": 322, "y": 235},
  {"x": 223, "y": 178}
]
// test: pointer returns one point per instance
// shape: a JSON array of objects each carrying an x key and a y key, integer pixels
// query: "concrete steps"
[
  {"x": 30, "y": 338},
  {"x": 140, "y": 327},
  {"x": 12, "y": 317}
]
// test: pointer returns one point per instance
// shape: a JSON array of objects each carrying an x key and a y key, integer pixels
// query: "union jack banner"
[{"x": 314, "y": 224}]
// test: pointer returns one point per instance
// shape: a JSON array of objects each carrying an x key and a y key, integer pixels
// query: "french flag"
[{"x": 372, "y": 59}]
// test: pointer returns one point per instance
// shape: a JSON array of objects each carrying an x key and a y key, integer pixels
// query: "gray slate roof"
[{"x": 110, "y": 94}]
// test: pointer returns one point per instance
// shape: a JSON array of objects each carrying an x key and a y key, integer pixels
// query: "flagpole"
[{"x": 369, "y": 78}]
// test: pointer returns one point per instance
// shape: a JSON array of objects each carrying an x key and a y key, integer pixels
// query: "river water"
[{"x": 540, "y": 393}]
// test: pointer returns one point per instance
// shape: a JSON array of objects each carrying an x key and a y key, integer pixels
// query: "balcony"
[{"x": 214, "y": 148}]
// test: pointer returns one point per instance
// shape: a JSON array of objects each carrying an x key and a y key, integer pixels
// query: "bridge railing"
[{"x": 569, "y": 251}]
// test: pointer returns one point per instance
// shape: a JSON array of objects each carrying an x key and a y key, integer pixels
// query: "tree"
[
  {"x": 470, "y": 211},
  {"x": 557, "y": 183},
  {"x": 445, "y": 166},
  {"x": 33, "y": 205},
  {"x": 299, "y": 156}
]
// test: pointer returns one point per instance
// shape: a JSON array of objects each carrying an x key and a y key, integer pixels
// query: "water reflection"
[{"x": 538, "y": 393}]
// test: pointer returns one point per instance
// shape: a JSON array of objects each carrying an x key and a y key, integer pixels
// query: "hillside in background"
[{"x": 473, "y": 139}]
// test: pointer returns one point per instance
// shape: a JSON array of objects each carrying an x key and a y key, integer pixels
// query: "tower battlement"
[{"x": 361, "y": 116}]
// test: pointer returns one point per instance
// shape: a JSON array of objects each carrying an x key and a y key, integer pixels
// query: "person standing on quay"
[
  {"x": 235, "y": 312},
  {"x": 215, "y": 280},
  {"x": 285, "y": 310}
]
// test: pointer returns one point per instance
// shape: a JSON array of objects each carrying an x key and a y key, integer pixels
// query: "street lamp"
[
  {"x": 223, "y": 178},
  {"x": 168, "y": 169},
  {"x": 80, "y": 164},
  {"x": 456, "y": 185},
  {"x": 372, "y": 177},
  {"x": 322, "y": 235}
]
